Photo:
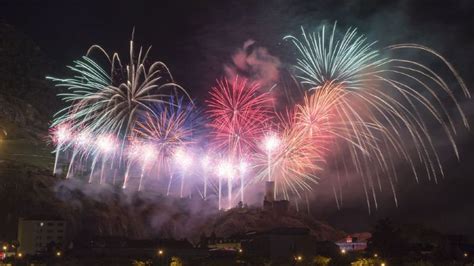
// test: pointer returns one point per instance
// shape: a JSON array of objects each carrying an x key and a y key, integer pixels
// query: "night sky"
[{"x": 196, "y": 39}]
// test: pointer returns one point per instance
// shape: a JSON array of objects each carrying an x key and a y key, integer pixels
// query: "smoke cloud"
[{"x": 254, "y": 62}]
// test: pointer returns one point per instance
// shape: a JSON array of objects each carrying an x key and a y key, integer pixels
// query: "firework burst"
[
  {"x": 379, "y": 104},
  {"x": 110, "y": 102},
  {"x": 238, "y": 111},
  {"x": 170, "y": 126}
]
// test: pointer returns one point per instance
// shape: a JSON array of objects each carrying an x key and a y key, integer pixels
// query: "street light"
[
  {"x": 58, "y": 254},
  {"x": 299, "y": 258},
  {"x": 343, "y": 251},
  {"x": 160, "y": 252}
]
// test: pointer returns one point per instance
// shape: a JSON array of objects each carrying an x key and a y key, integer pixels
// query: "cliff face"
[
  {"x": 20, "y": 120},
  {"x": 27, "y": 99},
  {"x": 23, "y": 68}
]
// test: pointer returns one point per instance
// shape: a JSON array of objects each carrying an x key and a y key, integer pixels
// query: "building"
[
  {"x": 354, "y": 242},
  {"x": 280, "y": 244},
  {"x": 36, "y": 236},
  {"x": 222, "y": 243},
  {"x": 270, "y": 203},
  {"x": 162, "y": 251}
]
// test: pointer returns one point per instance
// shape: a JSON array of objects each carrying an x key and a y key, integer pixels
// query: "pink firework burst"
[{"x": 238, "y": 111}]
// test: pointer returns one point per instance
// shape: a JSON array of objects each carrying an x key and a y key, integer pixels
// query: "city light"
[
  {"x": 343, "y": 251},
  {"x": 4, "y": 247},
  {"x": 299, "y": 258},
  {"x": 58, "y": 254},
  {"x": 160, "y": 252},
  {"x": 376, "y": 255},
  {"x": 20, "y": 254}
]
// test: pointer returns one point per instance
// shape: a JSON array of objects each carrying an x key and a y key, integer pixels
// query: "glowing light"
[
  {"x": 271, "y": 142},
  {"x": 149, "y": 152},
  {"x": 183, "y": 158},
  {"x": 225, "y": 169},
  {"x": 206, "y": 160},
  {"x": 63, "y": 133},
  {"x": 83, "y": 139},
  {"x": 160, "y": 252},
  {"x": 243, "y": 167},
  {"x": 106, "y": 144}
]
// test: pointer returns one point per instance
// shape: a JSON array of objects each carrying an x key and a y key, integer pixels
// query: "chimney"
[{"x": 270, "y": 191}]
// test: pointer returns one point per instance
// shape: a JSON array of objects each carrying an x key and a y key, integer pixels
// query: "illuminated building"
[
  {"x": 354, "y": 242},
  {"x": 35, "y": 235}
]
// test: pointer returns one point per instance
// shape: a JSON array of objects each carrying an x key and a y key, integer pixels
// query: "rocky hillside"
[{"x": 93, "y": 210}]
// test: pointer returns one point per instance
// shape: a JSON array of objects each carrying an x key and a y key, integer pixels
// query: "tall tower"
[{"x": 269, "y": 191}]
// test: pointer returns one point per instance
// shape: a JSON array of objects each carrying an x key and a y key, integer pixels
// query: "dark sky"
[{"x": 195, "y": 39}]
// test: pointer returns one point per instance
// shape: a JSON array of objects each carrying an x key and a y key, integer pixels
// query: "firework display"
[{"x": 362, "y": 110}]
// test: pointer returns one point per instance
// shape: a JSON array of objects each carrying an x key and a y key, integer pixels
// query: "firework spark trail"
[
  {"x": 80, "y": 144},
  {"x": 110, "y": 100},
  {"x": 382, "y": 104},
  {"x": 238, "y": 111},
  {"x": 364, "y": 109},
  {"x": 61, "y": 135},
  {"x": 294, "y": 163},
  {"x": 169, "y": 127}
]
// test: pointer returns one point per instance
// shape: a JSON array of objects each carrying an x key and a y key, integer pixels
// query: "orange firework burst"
[{"x": 380, "y": 107}]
